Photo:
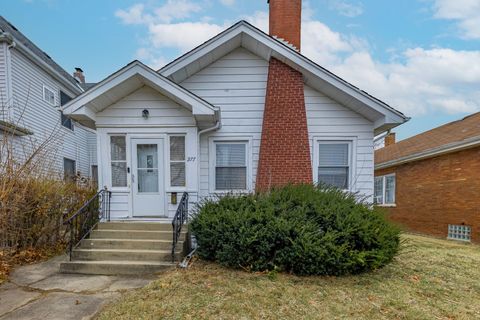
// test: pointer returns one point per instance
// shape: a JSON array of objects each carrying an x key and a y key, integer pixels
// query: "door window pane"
[
  {"x": 231, "y": 166},
  {"x": 147, "y": 168},
  {"x": 177, "y": 161},
  {"x": 118, "y": 154},
  {"x": 68, "y": 169}
]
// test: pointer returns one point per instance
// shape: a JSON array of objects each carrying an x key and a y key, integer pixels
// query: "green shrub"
[{"x": 302, "y": 229}]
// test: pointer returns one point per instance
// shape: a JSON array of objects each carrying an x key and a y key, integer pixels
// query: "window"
[
  {"x": 459, "y": 232},
  {"x": 334, "y": 164},
  {"x": 64, "y": 120},
  {"x": 69, "y": 168},
  {"x": 230, "y": 165},
  {"x": 118, "y": 154},
  {"x": 384, "y": 190},
  {"x": 177, "y": 161},
  {"x": 95, "y": 175},
  {"x": 49, "y": 95}
]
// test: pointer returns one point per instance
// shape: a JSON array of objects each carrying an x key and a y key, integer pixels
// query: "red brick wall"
[
  {"x": 284, "y": 148},
  {"x": 285, "y": 20},
  {"x": 433, "y": 193}
]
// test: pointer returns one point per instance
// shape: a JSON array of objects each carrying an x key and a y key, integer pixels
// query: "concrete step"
[
  {"x": 124, "y": 255},
  {"x": 147, "y": 226},
  {"x": 129, "y": 244},
  {"x": 106, "y": 267},
  {"x": 133, "y": 234}
]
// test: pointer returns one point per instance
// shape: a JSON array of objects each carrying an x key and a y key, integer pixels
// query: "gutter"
[
  {"x": 5, "y": 36},
  {"x": 448, "y": 148}
]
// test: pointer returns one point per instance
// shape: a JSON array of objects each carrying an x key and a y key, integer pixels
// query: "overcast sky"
[{"x": 420, "y": 56}]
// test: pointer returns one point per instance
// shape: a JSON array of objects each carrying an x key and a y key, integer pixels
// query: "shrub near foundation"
[{"x": 302, "y": 229}]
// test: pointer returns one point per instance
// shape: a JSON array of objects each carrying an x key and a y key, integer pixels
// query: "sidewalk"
[{"x": 39, "y": 291}]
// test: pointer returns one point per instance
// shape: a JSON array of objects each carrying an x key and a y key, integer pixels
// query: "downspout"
[{"x": 217, "y": 126}]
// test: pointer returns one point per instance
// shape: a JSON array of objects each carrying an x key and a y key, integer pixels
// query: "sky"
[{"x": 422, "y": 57}]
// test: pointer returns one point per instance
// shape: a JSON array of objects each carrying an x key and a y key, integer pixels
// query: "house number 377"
[{"x": 191, "y": 159}]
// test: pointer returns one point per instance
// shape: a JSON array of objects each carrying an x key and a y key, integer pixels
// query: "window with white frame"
[
  {"x": 334, "y": 163},
  {"x": 384, "y": 190},
  {"x": 177, "y": 161},
  {"x": 49, "y": 95},
  {"x": 230, "y": 165},
  {"x": 118, "y": 155},
  {"x": 459, "y": 232}
]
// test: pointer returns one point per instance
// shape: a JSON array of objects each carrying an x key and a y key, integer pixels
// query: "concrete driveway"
[{"x": 39, "y": 291}]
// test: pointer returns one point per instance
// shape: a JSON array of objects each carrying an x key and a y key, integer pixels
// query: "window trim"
[
  {"x": 55, "y": 94},
  {"x": 352, "y": 156},
  {"x": 384, "y": 190},
  {"x": 74, "y": 167},
  {"x": 212, "y": 162},
  {"x": 169, "y": 162}
]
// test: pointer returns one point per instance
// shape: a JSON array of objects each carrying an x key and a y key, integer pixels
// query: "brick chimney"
[
  {"x": 284, "y": 148},
  {"x": 390, "y": 139},
  {"x": 78, "y": 75},
  {"x": 285, "y": 20}
]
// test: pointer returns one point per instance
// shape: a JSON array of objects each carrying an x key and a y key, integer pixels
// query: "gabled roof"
[
  {"x": 243, "y": 34},
  {"x": 125, "y": 81},
  {"x": 453, "y": 136},
  {"x": 19, "y": 37}
]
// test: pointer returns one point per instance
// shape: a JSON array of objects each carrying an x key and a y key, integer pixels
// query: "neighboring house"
[
  {"x": 32, "y": 89},
  {"x": 431, "y": 182},
  {"x": 244, "y": 111}
]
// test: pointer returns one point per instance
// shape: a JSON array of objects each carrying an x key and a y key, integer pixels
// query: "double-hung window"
[
  {"x": 177, "y": 161},
  {"x": 118, "y": 155},
  {"x": 65, "y": 121},
  {"x": 384, "y": 190},
  {"x": 334, "y": 164},
  {"x": 49, "y": 95},
  {"x": 230, "y": 165}
]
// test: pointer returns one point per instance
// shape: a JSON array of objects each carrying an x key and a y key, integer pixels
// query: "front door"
[{"x": 147, "y": 178}]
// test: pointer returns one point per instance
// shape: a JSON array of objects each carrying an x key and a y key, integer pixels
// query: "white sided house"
[
  {"x": 204, "y": 125},
  {"x": 32, "y": 89}
]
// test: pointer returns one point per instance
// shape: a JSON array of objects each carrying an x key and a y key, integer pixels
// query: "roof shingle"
[{"x": 453, "y": 132}]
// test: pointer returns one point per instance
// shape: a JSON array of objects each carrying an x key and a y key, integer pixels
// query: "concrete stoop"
[{"x": 125, "y": 248}]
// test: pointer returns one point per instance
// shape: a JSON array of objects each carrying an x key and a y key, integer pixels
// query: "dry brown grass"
[{"x": 430, "y": 279}]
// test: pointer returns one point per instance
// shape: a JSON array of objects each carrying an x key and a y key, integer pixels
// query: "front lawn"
[{"x": 430, "y": 279}]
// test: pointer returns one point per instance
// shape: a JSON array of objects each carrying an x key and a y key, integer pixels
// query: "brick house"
[{"x": 430, "y": 183}]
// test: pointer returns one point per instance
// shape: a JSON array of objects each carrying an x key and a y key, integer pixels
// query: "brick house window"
[
  {"x": 384, "y": 190},
  {"x": 459, "y": 232}
]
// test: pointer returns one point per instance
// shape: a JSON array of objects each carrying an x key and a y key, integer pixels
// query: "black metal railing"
[
  {"x": 82, "y": 222},
  {"x": 180, "y": 218}
]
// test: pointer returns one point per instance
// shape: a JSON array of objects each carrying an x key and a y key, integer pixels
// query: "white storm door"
[{"x": 148, "y": 178}]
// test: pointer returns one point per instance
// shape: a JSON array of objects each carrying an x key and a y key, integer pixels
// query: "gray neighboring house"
[{"x": 33, "y": 87}]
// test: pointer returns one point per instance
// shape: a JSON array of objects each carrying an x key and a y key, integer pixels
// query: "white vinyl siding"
[
  {"x": 177, "y": 161},
  {"x": 230, "y": 165},
  {"x": 237, "y": 84},
  {"x": 385, "y": 190},
  {"x": 43, "y": 119},
  {"x": 329, "y": 120}
]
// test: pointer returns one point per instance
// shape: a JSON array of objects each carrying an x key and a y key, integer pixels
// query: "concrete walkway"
[{"x": 39, "y": 291}]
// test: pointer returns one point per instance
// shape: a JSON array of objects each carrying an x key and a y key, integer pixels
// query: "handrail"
[
  {"x": 179, "y": 219},
  {"x": 85, "y": 219}
]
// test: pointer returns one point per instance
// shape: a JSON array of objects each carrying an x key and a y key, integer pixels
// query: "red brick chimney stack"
[
  {"x": 286, "y": 20},
  {"x": 390, "y": 139},
  {"x": 284, "y": 148},
  {"x": 78, "y": 75}
]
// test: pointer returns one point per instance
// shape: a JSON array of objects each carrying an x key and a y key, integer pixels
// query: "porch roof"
[{"x": 125, "y": 81}]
